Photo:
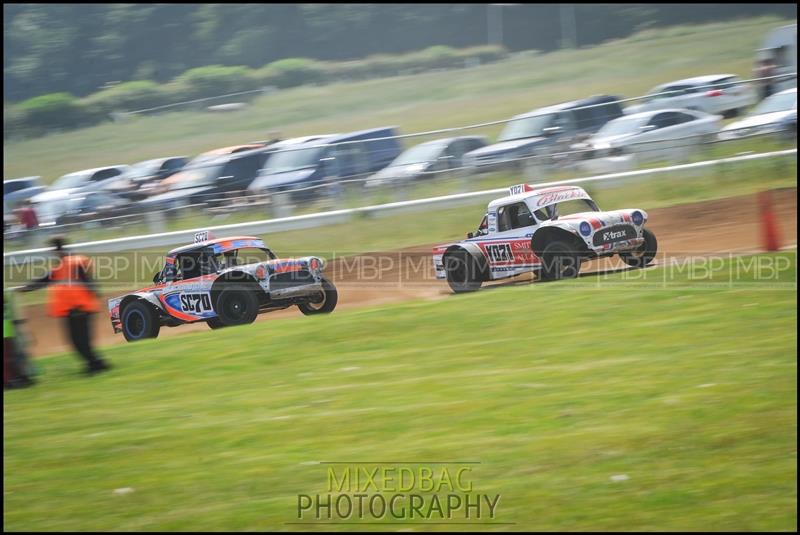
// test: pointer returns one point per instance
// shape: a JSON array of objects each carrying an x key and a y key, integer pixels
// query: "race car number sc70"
[
  {"x": 223, "y": 282},
  {"x": 548, "y": 231}
]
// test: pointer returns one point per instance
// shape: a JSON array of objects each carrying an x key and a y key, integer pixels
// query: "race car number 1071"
[
  {"x": 195, "y": 302},
  {"x": 500, "y": 253}
]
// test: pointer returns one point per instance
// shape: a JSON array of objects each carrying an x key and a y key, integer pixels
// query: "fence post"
[
  {"x": 155, "y": 221},
  {"x": 281, "y": 204}
]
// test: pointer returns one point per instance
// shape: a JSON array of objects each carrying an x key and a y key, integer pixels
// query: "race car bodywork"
[
  {"x": 524, "y": 232},
  {"x": 206, "y": 282}
]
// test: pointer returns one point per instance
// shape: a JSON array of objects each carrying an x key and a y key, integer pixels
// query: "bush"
[
  {"x": 435, "y": 57},
  {"x": 130, "y": 96},
  {"x": 214, "y": 80},
  {"x": 52, "y": 111},
  {"x": 62, "y": 110},
  {"x": 291, "y": 72},
  {"x": 485, "y": 53},
  {"x": 13, "y": 122}
]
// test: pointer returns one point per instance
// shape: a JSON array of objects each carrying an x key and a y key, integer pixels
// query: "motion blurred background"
[{"x": 128, "y": 127}]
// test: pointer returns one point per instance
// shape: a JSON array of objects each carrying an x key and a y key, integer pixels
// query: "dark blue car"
[
  {"x": 545, "y": 131},
  {"x": 328, "y": 159}
]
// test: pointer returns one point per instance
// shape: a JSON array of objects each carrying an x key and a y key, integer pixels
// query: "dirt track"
[{"x": 371, "y": 279}]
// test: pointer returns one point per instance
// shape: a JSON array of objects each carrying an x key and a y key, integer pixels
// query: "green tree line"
[{"x": 79, "y": 48}]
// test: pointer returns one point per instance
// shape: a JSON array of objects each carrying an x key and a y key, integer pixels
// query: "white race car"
[{"x": 548, "y": 231}]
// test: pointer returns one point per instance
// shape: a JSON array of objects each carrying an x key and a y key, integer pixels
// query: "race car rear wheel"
[
  {"x": 560, "y": 260},
  {"x": 139, "y": 321},
  {"x": 463, "y": 272},
  {"x": 236, "y": 306},
  {"x": 324, "y": 303},
  {"x": 645, "y": 254}
]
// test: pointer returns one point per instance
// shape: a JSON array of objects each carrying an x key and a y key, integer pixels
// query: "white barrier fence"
[{"x": 340, "y": 216}]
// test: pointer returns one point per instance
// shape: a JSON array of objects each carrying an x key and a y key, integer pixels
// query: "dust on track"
[{"x": 730, "y": 225}]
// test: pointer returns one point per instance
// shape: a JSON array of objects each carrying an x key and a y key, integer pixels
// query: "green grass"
[
  {"x": 627, "y": 67},
  {"x": 554, "y": 388}
]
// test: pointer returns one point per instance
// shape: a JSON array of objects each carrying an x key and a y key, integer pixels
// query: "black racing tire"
[
  {"x": 462, "y": 271},
  {"x": 215, "y": 323},
  {"x": 139, "y": 321},
  {"x": 645, "y": 254},
  {"x": 236, "y": 305},
  {"x": 560, "y": 260},
  {"x": 330, "y": 296}
]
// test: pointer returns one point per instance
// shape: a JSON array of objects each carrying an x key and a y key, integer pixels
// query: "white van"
[{"x": 780, "y": 45}]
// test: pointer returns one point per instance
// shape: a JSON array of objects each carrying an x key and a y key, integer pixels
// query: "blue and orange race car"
[{"x": 227, "y": 281}]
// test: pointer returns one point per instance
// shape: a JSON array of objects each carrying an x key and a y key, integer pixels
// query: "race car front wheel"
[
  {"x": 236, "y": 306},
  {"x": 324, "y": 303},
  {"x": 139, "y": 321},
  {"x": 560, "y": 260},
  {"x": 645, "y": 254},
  {"x": 215, "y": 323},
  {"x": 463, "y": 272}
]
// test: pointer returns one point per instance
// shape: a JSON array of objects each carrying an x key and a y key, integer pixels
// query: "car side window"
[
  {"x": 456, "y": 149},
  {"x": 188, "y": 266},
  {"x": 608, "y": 112},
  {"x": 563, "y": 120},
  {"x": 660, "y": 120},
  {"x": 474, "y": 144},
  {"x": 584, "y": 118},
  {"x": 514, "y": 216},
  {"x": 104, "y": 174}
]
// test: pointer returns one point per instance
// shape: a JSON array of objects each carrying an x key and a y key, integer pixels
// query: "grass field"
[
  {"x": 627, "y": 67},
  {"x": 554, "y": 388}
]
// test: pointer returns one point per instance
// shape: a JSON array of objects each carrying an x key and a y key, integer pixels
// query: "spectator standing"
[{"x": 72, "y": 296}]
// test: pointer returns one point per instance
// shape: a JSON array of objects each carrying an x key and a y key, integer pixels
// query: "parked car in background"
[
  {"x": 92, "y": 205},
  {"x": 140, "y": 174},
  {"x": 51, "y": 203},
  {"x": 780, "y": 46},
  {"x": 328, "y": 160},
  {"x": 776, "y": 113},
  {"x": 18, "y": 190},
  {"x": 719, "y": 94},
  {"x": 210, "y": 180},
  {"x": 545, "y": 131},
  {"x": 428, "y": 160},
  {"x": 644, "y": 137},
  {"x": 158, "y": 187}
]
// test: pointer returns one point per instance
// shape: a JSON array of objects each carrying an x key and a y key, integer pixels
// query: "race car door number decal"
[
  {"x": 195, "y": 302},
  {"x": 500, "y": 252}
]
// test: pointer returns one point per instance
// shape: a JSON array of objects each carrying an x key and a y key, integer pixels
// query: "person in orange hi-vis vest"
[{"x": 72, "y": 296}]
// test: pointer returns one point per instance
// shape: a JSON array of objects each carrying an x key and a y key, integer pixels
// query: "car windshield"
[
  {"x": 422, "y": 153},
  {"x": 556, "y": 210},
  {"x": 622, "y": 125},
  {"x": 292, "y": 160},
  {"x": 527, "y": 127},
  {"x": 72, "y": 180},
  {"x": 143, "y": 169},
  {"x": 11, "y": 187},
  {"x": 197, "y": 177},
  {"x": 243, "y": 257},
  {"x": 785, "y": 102}
]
